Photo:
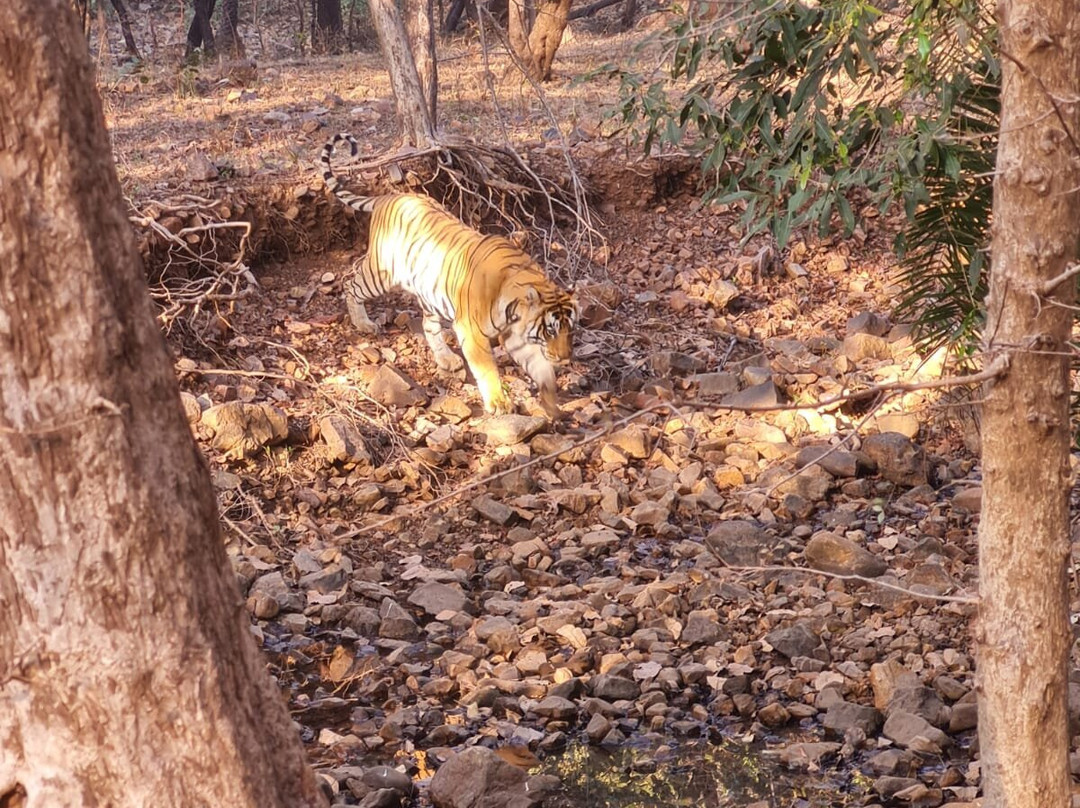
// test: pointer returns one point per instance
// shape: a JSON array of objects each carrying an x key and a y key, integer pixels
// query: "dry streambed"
[{"x": 644, "y": 593}]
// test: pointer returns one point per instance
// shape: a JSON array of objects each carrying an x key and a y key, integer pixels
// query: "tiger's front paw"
[{"x": 499, "y": 403}]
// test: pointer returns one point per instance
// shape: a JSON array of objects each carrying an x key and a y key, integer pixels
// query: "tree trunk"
[
  {"x": 412, "y": 108},
  {"x": 229, "y": 28},
  {"x": 1023, "y": 634},
  {"x": 125, "y": 28},
  {"x": 517, "y": 29},
  {"x": 629, "y": 14},
  {"x": 546, "y": 35},
  {"x": 326, "y": 26},
  {"x": 420, "y": 28},
  {"x": 201, "y": 33},
  {"x": 128, "y": 672}
]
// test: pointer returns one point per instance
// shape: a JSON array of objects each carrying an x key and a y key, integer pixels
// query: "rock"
[
  {"x": 970, "y": 499},
  {"x": 192, "y": 409},
  {"x": 597, "y": 728},
  {"x": 507, "y": 430},
  {"x": 614, "y": 688},
  {"x": 556, "y": 708},
  {"x": 715, "y": 384},
  {"x": 812, "y": 482},
  {"x": 914, "y": 732},
  {"x": 385, "y": 777},
  {"x": 390, "y": 387},
  {"x": 903, "y": 423},
  {"x": 702, "y": 628},
  {"x": 396, "y": 623},
  {"x": 241, "y": 429},
  {"x": 633, "y": 440},
  {"x": 739, "y": 543},
  {"x": 868, "y": 322},
  {"x": 434, "y": 597},
  {"x": 774, "y": 715},
  {"x": 898, "y": 459},
  {"x": 836, "y": 554},
  {"x": 886, "y": 678},
  {"x": 493, "y": 510},
  {"x": 844, "y": 715},
  {"x": 758, "y": 395},
  {"x": 343, "y": 440},
  {"x": 889, "y": 787},
  {"x": 838, "y": 462},
  {"x": 669, "y": 363},
  {"x": 963, "y": 716},
  {"x": 797, "y": 640},
  {"x": 479, "y": 778},
  {"x": 200, "y": 169},
  {"x": 896, "y": 762},
  {"x": 802, "y": 756},
  {"x": 858, "y": 347}
]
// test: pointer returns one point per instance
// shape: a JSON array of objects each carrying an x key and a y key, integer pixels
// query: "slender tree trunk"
[
  {"x": 629, "y": 14},
  {"x": 546, "y": 35},
  {"x": 125, "y": 28},
  {"x": 229, "y": 28},
  {"x": 201, "y": 32},
  {"x": 326, "y": 25},
  {"x": 1023, "y": 635},
  {"x": 420, "y": 28},
  {"x": 128, "y": 674},
  {"x": 412, "y": 108}
]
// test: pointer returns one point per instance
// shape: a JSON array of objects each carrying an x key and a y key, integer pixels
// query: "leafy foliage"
[{"x": 810, "y": 115}]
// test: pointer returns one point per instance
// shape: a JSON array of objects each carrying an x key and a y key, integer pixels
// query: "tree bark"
[
  {"x": 326, "y": 25},
  {"x": 201, "y": 32},
  {"x": 128, "y": 673},
  {"x": 1023, "y": 635},
  {"x": 125, "y": 28},
  {"x": 420, "y": 28},
  {"x": 417, "y": 124},
  {"x": 517, "y": 29},
  {"x": 229, "y": 28},
  {"x": 546, "y": 35}
]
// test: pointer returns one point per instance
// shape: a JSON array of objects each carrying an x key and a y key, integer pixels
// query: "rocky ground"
[
  {"x": 428, "y": 580},
  {"x": 695, "y": 557}
]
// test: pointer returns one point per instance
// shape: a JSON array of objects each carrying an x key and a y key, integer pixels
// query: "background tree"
[
  {"x": 127, "y": 668},
  {"x": 536, "y": 41},
  {"x": 327, "y": 29},
  {"x": 201, "y": 32},
  {"x": 420, "y": 29},
  {"x": 229, "y": 30},
  {"x": 1023, "y": 631},
  {"x": 418, "y": 125}
]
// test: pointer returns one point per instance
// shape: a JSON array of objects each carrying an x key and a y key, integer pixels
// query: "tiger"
[{"x": 485, "y": 286}]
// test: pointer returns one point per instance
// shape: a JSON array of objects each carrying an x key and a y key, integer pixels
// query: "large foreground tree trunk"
[
  {"x": 128, "y": 674},
  {"x": 1023, "y": 631},
  {"x": 412, "y": 108}
]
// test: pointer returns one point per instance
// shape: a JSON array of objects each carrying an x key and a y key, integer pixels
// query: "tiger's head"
[{"x": 546, "y": 315}]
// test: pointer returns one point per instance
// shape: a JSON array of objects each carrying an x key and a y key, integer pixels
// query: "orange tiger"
[{"x": 484, "y": 286}]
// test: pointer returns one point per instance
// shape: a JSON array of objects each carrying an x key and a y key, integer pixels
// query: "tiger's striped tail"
[{"x": 363, "y": 204}]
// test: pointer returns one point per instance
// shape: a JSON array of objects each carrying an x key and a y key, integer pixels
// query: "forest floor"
[{"x": 651, "y": 600}]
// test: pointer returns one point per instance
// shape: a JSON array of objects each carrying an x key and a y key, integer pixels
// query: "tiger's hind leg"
[
  {"x": 363, "y": 284},
  {"x": 481, "y": 361},
  {"x": 445, "y": 358}
]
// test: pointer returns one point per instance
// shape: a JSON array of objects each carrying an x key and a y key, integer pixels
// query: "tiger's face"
[{"x": 548, "y": 321}]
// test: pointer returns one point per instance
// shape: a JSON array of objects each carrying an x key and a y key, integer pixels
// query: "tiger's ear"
[{"x": 532, "y": 297}]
